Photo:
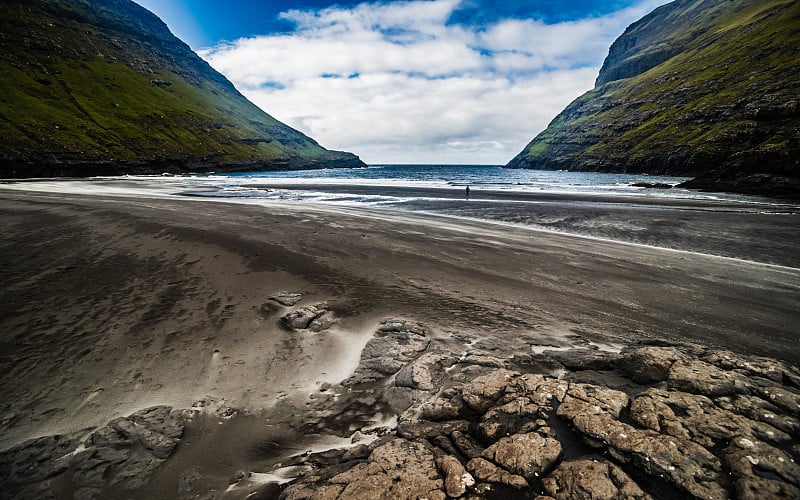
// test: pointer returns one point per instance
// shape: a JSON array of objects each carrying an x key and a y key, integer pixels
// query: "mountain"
[
  {"x": 92, "y": 87},
  {"x": 702, "y": 88}
]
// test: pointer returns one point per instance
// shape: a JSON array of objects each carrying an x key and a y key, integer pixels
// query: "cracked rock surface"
[{"x": 650, "y": 421}]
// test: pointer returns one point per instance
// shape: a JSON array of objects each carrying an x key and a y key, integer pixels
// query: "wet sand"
[{"x": 114, "y": 304}]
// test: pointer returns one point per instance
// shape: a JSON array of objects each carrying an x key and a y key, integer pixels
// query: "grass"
[
  {"x": 745, "y": 57},
  {"x": 105, "y": 84}
]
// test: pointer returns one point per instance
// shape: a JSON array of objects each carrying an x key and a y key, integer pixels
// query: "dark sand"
[{"x": 110, "y": 304}]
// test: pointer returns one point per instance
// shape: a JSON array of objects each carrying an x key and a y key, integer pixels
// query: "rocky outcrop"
[
  {"x": 666, "y": 421},
  {"x": 103, "y": 88},
  {"x": 314, "y": 318},
  {"x": 677, "y": 95},
  {"x": 121, "y": 455}
]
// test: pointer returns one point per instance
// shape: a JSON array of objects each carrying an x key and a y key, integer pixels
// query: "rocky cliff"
[
  {"x": 703, "y": 88},
  {"x": 102, "y": 87}
]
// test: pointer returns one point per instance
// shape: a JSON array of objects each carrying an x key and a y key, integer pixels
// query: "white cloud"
[{"x": 395, "y": 83}]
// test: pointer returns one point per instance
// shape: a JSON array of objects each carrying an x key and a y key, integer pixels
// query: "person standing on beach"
[{"x": 467, "y": 192}]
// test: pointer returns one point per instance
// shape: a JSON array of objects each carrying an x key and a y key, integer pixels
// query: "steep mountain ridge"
[
  {"x": 103, "y": 87},
  {"x": 705, "y": 88}
]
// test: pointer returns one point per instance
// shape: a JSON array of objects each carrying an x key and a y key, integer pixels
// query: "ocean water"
[{"x": 330, "y": 185}]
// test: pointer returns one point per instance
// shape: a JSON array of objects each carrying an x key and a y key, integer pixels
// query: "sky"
[{"x": 416, "y": 81}]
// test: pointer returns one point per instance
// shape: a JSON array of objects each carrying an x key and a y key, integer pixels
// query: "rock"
[
  {"x": 528, "y": 455},
  {"x": 456, "y": 478},
  {"x": 423, "y": 429},
  {"x": 517, "y": 416},
  {"x": 650, "y": 363},
  {"x": 36, "y": 459},
  {"x": 584, "y": 359},
  {"x": 484, "y": 470},
  {"x": 395, "y": 344},
  {"x": 395, "y": 325},
  {"x": 443, "y": 409},
  {"x": 480, "y": 359},
  {"x": 286, "y": 298},
  {"x": 159, "y": 445},
  {"x": 315, "y": 317},
  {"x": 424, "y": 373},
  {"x": 699, "y": 377},
  {"x": 760, "y": 410},
  {"x": 591, "y": 479},
  {"x": 600, "y": 399},
  {"x": 781, "y": 397},
  {"x": 398, "y": 469},
  {"x": 468, "y": 446},
  {"x": 696, "y": 417},
  {"x": 483, "y": 391},
  {"x": 761, "y": 470},
  {"x": 683, "y": 463}
]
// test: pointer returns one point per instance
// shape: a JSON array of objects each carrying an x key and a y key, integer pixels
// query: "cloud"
[{"x": 397, "y": 82}]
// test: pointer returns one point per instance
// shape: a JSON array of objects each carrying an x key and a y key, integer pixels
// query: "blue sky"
[{"x": 417, "y": 81}]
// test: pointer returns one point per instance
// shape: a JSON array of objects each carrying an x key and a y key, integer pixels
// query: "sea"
[
  {"x": 585, "y": 204},
  {"x": 331, "y": 185}
]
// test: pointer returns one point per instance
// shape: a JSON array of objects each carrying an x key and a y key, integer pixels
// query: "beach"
[{"x": 112, "y": 304}]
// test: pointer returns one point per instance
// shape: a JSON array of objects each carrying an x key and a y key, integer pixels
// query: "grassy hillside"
[
  {"x": 704, "y": 88},
  {"x": 102, "y": 86}
]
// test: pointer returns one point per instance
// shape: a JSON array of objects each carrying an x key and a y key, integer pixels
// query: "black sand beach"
[{"x": 114, "y": 304}]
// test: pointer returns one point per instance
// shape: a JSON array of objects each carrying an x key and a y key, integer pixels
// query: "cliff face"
[
  {"x": 102, "y": 87},
  {"x": 705, "y": 88}
]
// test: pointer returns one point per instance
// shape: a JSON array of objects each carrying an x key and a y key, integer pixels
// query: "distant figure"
[{"x": 467, "y": 192}]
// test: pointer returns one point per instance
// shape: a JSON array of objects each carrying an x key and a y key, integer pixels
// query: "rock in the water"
[
  {"x": 286, "y": 298},
  {"x": 591, "y": 479},
  {"x": 528, "y": 455}
]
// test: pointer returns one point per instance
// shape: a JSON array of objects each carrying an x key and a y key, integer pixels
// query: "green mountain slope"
[
  {"x": 102, "y": 87},
  {"x": 705, "y": 88}
]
